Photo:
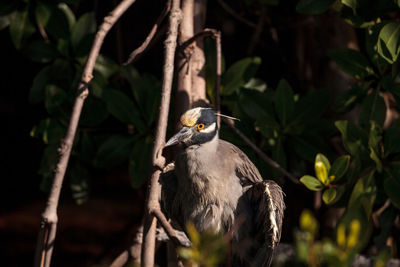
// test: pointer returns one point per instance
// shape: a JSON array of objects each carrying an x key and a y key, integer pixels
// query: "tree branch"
[
  {"x": 48, "y": 225},
  {"x": 218, "y": 74},
  {"x": 150, "y": 37},
  {"x": 179, "y": 240},
  {"x": 158, "y": 161},
  {"x": 263, "y": 156}
]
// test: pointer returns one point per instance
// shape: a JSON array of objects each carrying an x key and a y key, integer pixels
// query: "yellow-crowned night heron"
[{"x": 215, "y": 186}]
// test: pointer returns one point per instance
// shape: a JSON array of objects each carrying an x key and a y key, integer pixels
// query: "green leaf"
[
  {"x": 310, "y": 108},
  {"x": 354, "y": 139},
  {"x": 42, "y": 52},
  {"x": 43, "y": 13},
  {"x": 391, "y": 138},
  {"x": 322, "y": 167},
  {"x": 313, "y": 6},
  {"x": 55, "y": 97},
  {"x": 376, "y": 151},
  {"x": 115, "y": 150},
  {"x": 321, "y": 157},
  {"x": 256, "y": 84},
  {"x": 348, "y": 99},
  {"x": 373, "y": 108},
  {"x": 329, "y": 196},
  {"x": 284, "y": 102},
  {"x": 85, "y": 25},
  {"x": 106, "y": 66},
  {"x": 60, "y": 22},
  {"x": 20, "y": 27},
  {"x": 119, "y": 105},
  {"x": 239, "y": 74},
  {"x": 312, "y": 183},
  {"x": 352, "y": 62},
  {"x": 340, "y": 167},
  {"x": 389, "y": 42},
  {"x": 37, "y": 91},
  {"x": 351, "y": 3},
  {"x": 364, "y": 194}
]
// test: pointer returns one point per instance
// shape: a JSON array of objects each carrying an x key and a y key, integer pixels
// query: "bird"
[{"x": 216, "y": 187}]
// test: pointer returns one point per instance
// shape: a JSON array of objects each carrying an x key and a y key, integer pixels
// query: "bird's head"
[{"x": 199, "y": 125}]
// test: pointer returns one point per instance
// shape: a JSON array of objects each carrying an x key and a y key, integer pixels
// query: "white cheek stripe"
[
  {"x": 272, "y": 215},
  {"x": 209, "y": 129}
]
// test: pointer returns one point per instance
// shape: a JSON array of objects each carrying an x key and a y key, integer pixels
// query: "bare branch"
[
  {"x": 198, "y": 60},
  {"x": 263, "y": 156},
  {"x": 47, "y": 232},
  {"x": 171, "y": 232},
  {"x": 150, "y": 37},
  {"x": 218, "y": 78},
  {"x": 184, "y": 74},
  {"x": 152, "y": 201},
  {"x": 234, "y": 14}
]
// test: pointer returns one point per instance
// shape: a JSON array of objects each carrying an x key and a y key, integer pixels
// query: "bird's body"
[{"x": 216, "y": 187}]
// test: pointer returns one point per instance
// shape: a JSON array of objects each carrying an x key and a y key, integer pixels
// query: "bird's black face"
[{"x": 199, "y": 126}]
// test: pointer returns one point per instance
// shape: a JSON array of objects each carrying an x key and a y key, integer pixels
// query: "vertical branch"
[
  {"x": 48, "y": 225},
  {"x": 158, "y": 161},
  {"x": 218, "y": 78},
  {"x": 184, "y": 77},
  {"x": 197, "y": 64}
]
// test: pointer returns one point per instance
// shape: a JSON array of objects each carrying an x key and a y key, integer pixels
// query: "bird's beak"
[{"x": 181, "y": 136}]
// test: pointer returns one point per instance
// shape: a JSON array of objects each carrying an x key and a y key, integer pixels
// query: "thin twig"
[
  {"x": 150, "y": 37},
  {"x": 158, "y": 161},
  {"x": 234, "y": 14},
  {"x": 47, "y": 232},
  {"x": 263, "y": 156}
]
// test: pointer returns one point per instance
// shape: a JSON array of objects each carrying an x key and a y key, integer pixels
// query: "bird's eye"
[{"x": 200, "y": 126}]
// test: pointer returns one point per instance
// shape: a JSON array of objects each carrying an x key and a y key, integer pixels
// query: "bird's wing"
[
  {"x": 244, "y": 168},
  {"x": 169, "y": 185},
  {"x": 267, "y": 199}
]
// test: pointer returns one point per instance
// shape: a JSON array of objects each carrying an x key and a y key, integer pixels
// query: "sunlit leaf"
[
  {"x": 86, "y": 24},
  {"x": 20, "y": 27},
  {"x": 389, "y": 42},
  {"x": 340, "y": 167},
  {"x": 373, "y": 108},
  {"x": 352, "y": 62},
  {"x": 354, "y": 139},
  {"x": 312, "y": 183},
  {"x": 239, "y": 74}
]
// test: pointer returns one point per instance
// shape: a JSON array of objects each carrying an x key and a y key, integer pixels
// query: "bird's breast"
[{"x": 207, "y": 196}]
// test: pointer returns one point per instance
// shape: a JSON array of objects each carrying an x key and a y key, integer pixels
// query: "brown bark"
[
  {"x": 197, "y": 64},
  {"x": 158, "y": 161}
]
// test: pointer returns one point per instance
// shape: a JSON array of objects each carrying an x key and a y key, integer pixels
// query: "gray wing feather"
[{"x": 267, "y": 199}]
